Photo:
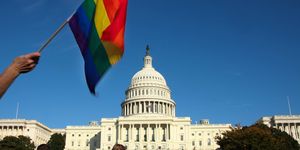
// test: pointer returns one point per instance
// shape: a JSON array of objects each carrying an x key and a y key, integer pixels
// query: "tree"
[
  {"x": 256, "y": 137},
  {"x": 16, "y": 143},
  {"x": 57, "y": 142}
]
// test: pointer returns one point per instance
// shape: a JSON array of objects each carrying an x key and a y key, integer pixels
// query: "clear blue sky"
[{"x": 229, "y": 61}]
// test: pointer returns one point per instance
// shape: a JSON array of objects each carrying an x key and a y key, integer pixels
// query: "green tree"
[
  {"x": 16, "y": 143},
  {"x": 57, "y": 142},
  {"x": 256, "y": 137}
]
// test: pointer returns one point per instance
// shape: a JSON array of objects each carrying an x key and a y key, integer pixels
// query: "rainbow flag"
[{"x": 98, "y": 27}]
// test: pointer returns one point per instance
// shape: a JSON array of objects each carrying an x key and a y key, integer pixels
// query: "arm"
[{"x": 22, "y": 64}]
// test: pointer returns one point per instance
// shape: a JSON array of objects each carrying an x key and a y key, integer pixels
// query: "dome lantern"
[{"x": 148, "y": 58}]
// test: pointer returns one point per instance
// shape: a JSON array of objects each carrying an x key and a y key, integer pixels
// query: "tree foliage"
[
  {"x": 57, "y": 142},
  {"x": 256, "y": 137},
  {"x": 16, "y": 143}
]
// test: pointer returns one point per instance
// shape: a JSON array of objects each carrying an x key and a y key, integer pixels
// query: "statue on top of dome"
[{"x": 147, "y": 50}]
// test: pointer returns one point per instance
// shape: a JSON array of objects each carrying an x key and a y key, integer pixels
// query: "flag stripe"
[
  {"x": 89, "y": 7},
  {"x": 91, "y": 73},
  {"x": 98, "y": 52},
  {"x": 101, "y": 19}
]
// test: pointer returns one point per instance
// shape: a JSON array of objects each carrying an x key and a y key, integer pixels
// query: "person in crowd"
[
  {"x": 43, "y": 147},
  {"x": 119, "y": 147}
]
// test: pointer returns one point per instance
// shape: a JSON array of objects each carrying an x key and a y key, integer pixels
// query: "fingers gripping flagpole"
[{"x": 54, "y": 34}]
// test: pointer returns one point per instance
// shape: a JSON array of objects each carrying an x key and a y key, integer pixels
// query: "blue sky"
[{"x": 229, "y": 61}]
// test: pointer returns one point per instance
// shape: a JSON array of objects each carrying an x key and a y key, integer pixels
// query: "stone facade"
[
  {"x": 39, "y": 133},
  {"x": 288, "y": 123}
]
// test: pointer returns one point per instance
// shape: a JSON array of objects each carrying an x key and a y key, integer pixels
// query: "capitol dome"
[{"x": 148, "y": 93}]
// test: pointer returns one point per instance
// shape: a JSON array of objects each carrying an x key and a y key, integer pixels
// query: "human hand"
[{"x": 26, "y": 63}]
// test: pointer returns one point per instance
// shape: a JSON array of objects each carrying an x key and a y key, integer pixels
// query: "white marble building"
[
  {"x": 148, "y": 121},
  {"x": 39, "y": 133},
  {"x": 288, "y": 123}
]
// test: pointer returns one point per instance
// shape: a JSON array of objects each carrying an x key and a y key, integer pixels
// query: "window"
[
  {"x": 72, "y": 143},
  {"x": 181, "y": 137},
  {"x": 193, "y": 143},
  {"x": 109, "y": 129},
  {"x": 78, "y": 143},
  {"x": 181, "y": 128},
  {"x": 72, "y": 135},
  {"x": 87, "y": 142},
  {"x": 200, "y": 143},
  {"x": 199, "y": 134},
  {"x": 109, "y": 138},
  {"x": 208, "y": 142},
  {"x": 79, "y": 135},
  {"x": 193, "y": 134}
]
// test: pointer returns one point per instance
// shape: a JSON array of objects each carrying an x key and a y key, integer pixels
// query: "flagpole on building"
[
  {"x": 17, "y": 111},
  {"x": 288, "y": 99}
]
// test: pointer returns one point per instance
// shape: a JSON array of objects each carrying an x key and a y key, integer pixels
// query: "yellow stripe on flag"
[{"x": 101, "y": 18}]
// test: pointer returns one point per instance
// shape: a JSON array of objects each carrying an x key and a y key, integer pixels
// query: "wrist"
[{"x": 14, "y": 70}]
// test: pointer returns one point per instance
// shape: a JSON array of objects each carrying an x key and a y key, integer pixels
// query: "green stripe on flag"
[
  {"x": 89, "y": 7},
  {"x": 98, "y": 52}
]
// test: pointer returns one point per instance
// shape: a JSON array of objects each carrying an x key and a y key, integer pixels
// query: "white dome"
[
  {"x": 148, "y": 76},
  {"x": 148, "y": 93}
]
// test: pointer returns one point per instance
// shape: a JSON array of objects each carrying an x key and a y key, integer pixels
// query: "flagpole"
[{"x": 53, "y": 35}]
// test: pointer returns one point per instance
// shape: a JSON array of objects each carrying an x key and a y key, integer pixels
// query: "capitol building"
[{"x": 148, "y": 121}]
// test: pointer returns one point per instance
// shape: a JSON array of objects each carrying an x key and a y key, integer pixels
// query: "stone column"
[
  {"x": 118, "y": 133},
  {"x": 174, "y": 113},
  {"x": 290, "y": 129},
  {"x": 131, "y": 133},
  {"x": 298, "y": 130},
  {"x": 140, "y": 107},
  {"x": 125, "y": 112},
  {"x": 158, "y": 107},
  {"x": 167, "y": 132},
  {"x": 135, "y": 108},
  {"x": 159, "y": 133},
  {"x": 140, "y": 132}
]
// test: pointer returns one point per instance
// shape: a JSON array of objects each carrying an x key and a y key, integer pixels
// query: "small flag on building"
[{"x": 98, "y": 27}]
